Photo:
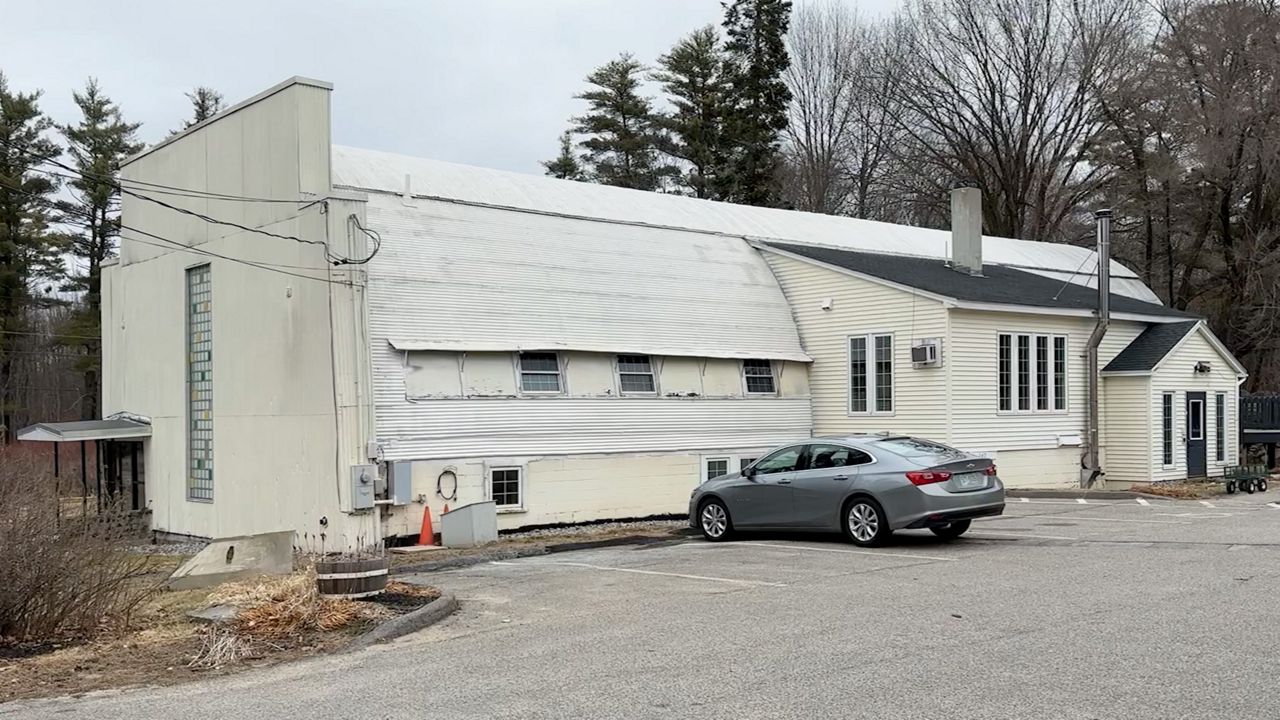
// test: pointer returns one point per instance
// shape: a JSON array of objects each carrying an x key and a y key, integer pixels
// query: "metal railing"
[{"x": 1260, "y": 412}]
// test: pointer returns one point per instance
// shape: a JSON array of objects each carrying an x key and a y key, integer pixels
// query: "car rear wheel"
[
  {"x": 951, "y": 531},
  {"x": 865, "y": 523},
  {"x": 713, "y": 520}
]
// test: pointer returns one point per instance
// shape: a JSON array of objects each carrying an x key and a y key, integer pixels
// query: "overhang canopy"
[{"x": 82, "y": 430}]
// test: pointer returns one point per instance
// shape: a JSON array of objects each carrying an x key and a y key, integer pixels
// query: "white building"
[{"x": 570, "y": 351}]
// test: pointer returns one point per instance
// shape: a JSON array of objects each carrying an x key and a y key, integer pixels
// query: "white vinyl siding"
[
  {"x": 871, "y": 374},
  {"x": 1127, "y": 429},
  {"x": 860, "y": 308}
]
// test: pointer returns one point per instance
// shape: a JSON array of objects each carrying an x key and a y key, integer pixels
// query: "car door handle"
[
  {"x": 840, "y": 477},
  {"x": 784, "y": 481}
]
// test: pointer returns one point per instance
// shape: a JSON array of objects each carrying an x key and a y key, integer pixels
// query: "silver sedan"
[{"x": 866, "y": 486}]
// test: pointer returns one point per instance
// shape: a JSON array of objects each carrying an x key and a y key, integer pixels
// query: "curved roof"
[{"x": 387, "y": 172}]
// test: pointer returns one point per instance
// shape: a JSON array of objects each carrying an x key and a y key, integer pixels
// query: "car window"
[
  {"x": 832, "y": 456},
  {"x": 784, "y": 460},
  {"x": 915, "y": 447}
]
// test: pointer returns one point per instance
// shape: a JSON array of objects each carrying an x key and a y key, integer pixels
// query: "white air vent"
[{"x": 925, "y": 353}]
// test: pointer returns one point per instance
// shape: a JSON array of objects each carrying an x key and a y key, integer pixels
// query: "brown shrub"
[{"x": 62, "y": 576}]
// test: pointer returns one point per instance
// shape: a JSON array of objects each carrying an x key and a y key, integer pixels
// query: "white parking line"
[
  {"x": 1142, "y": 501},
  {"x": 846, "y": 551},
  {"x": 1206, "y": 503},
  {"x": 1121, "y": 520},
  {"x": 636, "y": 571},
  {"x": 1020, "y": 535},
  {"x": 1026, "y": 500},
  {"x": 1274, "y": 505},
  {"x": 1082, "y": 501}
]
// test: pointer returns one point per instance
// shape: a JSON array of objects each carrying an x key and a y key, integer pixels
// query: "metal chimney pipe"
[{"x": 1092, "y": 460}]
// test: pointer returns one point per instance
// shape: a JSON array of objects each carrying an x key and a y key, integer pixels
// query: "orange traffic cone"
[
  {"x": 428, "y": 535},
  {"x": 445, "y": 510}
]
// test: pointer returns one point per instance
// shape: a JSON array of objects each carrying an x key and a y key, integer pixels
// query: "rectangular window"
[
  {"x": 717, "y": 467},
  {"x": 635, "y": 374},
  {"x": 744, "y": 462},
  {"x": 1195, "y": 420},
  {"x": 759, "y": 376},
  {"x": 871, "y": 374},
  {"x": 1031, "y": 372},
  {"x": 858, "y": 381},
  {"x": 1220, "y": 427},
  {"x": 199, "y": 383},
  {"x": 1024, "y": 372},
  {"x": 539, "y": 372},
  {"x": 506, "y": 487},
  {"x": 1059, "y": 373},
  {"x": 1166, "y": 429},
  {"x": 1004, "y": 373},
  {"x": 1042, "y": 372}
]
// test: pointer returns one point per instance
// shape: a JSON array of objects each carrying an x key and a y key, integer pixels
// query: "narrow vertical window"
[
  {"x": 884, "y": 373},
  {"x": 1059, "y": 373},
  {"x": 858, "y": 374},
  {"x": 1166, "y": 429},
  {"x": 1004, "y": 374},
  {"x": 199, "y": 383},
  {"x": 759, "y": 376},
  {"x": 1220, "y": 427},
  {"x": 1042, "y": 372},
  {"x": 1024, "y": 372}
]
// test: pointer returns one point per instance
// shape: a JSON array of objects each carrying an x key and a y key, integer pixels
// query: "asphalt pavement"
[{"x": 1058, "y": 609}]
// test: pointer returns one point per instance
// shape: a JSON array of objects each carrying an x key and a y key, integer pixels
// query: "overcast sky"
[{"x": 482, "y": 82}]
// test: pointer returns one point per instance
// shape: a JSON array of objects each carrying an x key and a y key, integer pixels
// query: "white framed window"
[
  {"x": 1166, "y": 429},
  {"x": 758, "y": 375},
  {"x": 1220, "y": 427},
  {"x": 506, "y": 487},
  {"x": 871, "y": 374},
  {"x": 1195, "y": 420},
  {"x": 635, "y": 375},
  {"x": 1031, "y": 373},
  {"x": 718, "y": 464},
  {"x": 714, "y": 467},
  {"x": 540, "y": 373},
  {"x": 199, "y": 383}
]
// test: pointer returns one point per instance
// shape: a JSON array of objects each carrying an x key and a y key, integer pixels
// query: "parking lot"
[{"x": 1058, "y": 609}]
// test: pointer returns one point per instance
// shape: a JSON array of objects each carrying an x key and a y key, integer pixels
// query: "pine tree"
[
  {"x": 205, "y": 103},
  {"x": 28, "y": 250},
  {"x": 692, "y": 75},
  {"x": 757, "y": 59},
  {"x": 621, "y": 137},
  {"x": 566, "y": 165},
  {"x": 98, "y": 144}
]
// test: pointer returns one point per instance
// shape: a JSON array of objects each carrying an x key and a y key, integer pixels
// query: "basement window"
[
  {"x": 506, "y": 488},
  {"x": 759, "y": 377},
  {"x": 539, "y": 372},
  {"x": 635, "y": 375},
  {"x": 1031, "y": 373}
]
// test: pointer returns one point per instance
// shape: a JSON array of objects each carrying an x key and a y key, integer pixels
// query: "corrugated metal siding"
[
  {"x": 369, "y": 170},
  {"x": 1127, "y": 434},
  {"x": 1175, "y": 375},
  {"x": 976, "y": 423},
  {"x": 861, "y": 307}
]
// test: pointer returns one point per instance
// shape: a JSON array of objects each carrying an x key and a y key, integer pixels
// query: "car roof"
[{"x": 859, "y": 439}]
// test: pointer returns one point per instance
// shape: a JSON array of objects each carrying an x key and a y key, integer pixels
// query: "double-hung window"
[
  {"x": 871, "y": 374},
  {"x": 1031, "y": 373},
  {"x": 539, "y": 372},
  {"x": 759, "y": 377},
  {"x": 635, "y": 374}
]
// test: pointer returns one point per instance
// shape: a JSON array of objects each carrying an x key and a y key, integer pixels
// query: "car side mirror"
[{"x": 749, "y": 471}]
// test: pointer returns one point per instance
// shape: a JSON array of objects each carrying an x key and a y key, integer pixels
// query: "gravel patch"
[
  {"x": 179, "y": 548},
  {"x": 604, "y": 528}
]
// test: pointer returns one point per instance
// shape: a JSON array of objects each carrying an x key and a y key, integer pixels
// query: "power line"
[{"x": 40, "y": 334}]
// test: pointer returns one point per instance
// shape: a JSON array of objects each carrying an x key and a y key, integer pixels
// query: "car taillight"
[
  {"x": 989, "y": 470},
  {"x": 928, "y": 477}
]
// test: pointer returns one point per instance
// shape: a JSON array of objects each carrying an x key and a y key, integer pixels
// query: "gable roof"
[
  {"x": 369, "y": 170},
  {"x": 1148, "y": 349},
  {"x": 999, "y": 285}
]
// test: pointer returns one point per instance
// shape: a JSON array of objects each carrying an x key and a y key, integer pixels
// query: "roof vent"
[{"x": 966, "y": 230}]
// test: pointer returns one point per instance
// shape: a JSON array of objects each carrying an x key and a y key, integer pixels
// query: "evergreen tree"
[
  {"x": 97, "y": 144},
  {"x": 757, "y": 59},
  {"x": 621, "y": 137},
  {"x": 566, "y": 165},
  {"x": 205, "y": 103},
  {"x": 692, "y": 75},
  {"x": 28, "y": 250}
]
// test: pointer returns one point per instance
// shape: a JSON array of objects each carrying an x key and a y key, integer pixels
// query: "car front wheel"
[
  {"x": 713, "y": 520},
  {"x": 951, "y": 531},
  {"x": 865, "y": 523}
]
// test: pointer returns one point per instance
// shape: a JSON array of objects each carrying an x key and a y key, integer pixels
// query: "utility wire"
[{"x": 1070, "y": 277}]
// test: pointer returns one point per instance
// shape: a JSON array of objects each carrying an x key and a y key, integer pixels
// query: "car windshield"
[{"x": 915, "y": 447}]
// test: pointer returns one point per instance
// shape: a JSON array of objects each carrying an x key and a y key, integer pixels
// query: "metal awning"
[{"x": 84, "y": 430}]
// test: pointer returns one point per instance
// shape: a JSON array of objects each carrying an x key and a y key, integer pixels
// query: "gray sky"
[{"x": 482, "y": 82}]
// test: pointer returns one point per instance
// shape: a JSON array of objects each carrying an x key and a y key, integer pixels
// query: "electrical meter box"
[{"x": 363, "y": 479}]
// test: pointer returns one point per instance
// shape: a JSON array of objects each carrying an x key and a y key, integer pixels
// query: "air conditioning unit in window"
[{"x": 925, "y": 353}]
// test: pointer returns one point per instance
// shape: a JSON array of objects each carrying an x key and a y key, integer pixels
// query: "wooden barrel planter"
[{"x": 351, "y": 578}]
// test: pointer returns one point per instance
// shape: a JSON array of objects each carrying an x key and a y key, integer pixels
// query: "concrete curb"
[
  {"x": 424, "y": 617},
  {"x": 1095, "y": 494}
]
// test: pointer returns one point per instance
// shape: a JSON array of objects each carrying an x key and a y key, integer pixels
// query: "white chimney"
[{"x": 966, "y": 230}]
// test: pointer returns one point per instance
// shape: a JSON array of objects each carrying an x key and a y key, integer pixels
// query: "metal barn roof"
[{"x": 386, "y": 172}]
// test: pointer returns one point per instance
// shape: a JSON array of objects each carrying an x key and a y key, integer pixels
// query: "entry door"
[{"x": 1196, "y": 446}]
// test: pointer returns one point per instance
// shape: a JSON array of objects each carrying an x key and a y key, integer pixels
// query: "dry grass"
[
  {"x": 287, "y": 608},
  {"x": 1183, "y": 490}
]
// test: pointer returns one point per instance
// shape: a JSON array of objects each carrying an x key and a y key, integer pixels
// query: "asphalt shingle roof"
[
  {"x": 998, "y": 284},
  {"x": 1148, "y": 349}
]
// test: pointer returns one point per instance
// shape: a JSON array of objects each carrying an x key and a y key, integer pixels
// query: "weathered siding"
[
  {"x": 861, "y": 307},
  {"x": 1175, "y": 375},
  {"x": 1127, "y": 429}
]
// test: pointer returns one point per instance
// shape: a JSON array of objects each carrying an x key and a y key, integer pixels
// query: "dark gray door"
[
  {"x": 819, "y": 489},
  {"x": 764, "y": 499},
  {"x": 1196, "y": 446}
]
